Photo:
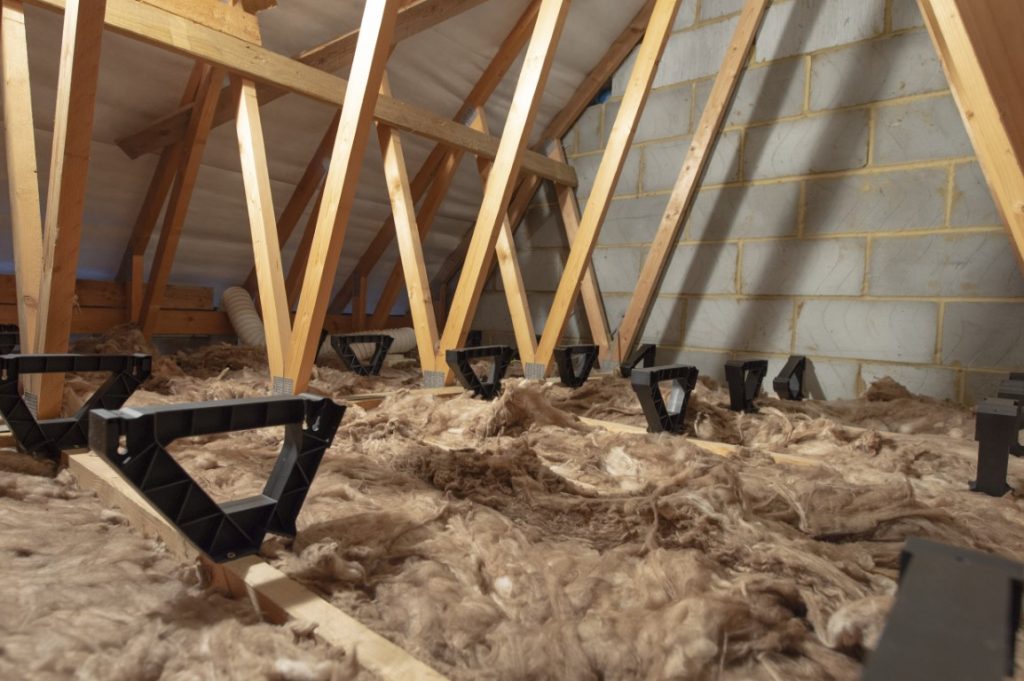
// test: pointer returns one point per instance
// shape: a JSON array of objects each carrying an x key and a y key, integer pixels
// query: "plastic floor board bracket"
[
  {"x": 662, "y": 417},
  {"x": 381, "y": 342},
  {"x": 571, "y": 372},
  {"x": 461, "y": 360}
]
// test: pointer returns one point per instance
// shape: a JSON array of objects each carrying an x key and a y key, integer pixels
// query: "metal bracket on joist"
[
  {"x": 745, "y": 379},
  {"x": 645, "y": 355},
  {"x": 135, "y": 442},
  {"x": 10, "y": 338},
  {"x": 997, "y": 429},
  {"x": 955, "y": 616},
  {"x": 48, "y": 437},
  {"x": 381, "y": 344},
  {"x": 662, "y": 418},
  {"x": 573, "y": 373},
  {"x": 460, "y": 363},
  {"x": 789, "y": 384}
]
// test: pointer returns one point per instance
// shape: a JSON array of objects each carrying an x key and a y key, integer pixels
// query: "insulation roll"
[
  {"x": 404, "y": 341},
  {"x": 237, "y": 302}
]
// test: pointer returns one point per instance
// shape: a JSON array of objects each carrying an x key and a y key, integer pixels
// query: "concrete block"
[
  {"x": 663, "y": 161},
  {"x": 837, "y": 141},
  {"x": 954, "y": 265},
  {"x": 765, "y": 93},
  {"x": 828, "y": 379},
  {"x": 906, "y": 199},
  {"x": 890, "y": 331},
  {"x": 633, "y": 221},
  {"x": 712, "y": 9},
  {"x": 686, "y": 16},
  {"x": 906, "y": 14},
  {"x": 887, "y": 68},
  {"x": 942, "y": 384},
  {"x": 710, "y": 363},
  {"x": 764, "y": 210},
  {"x": 819, "y": 267},
  {"x": 972, "y": 199},
  {"x": 541, "y": 269},
  {"x": 586, "y": 171},
  {"x": 921, "y": 130},
  {"x": 664, "y": 324},
  {"x": 541, "y": 228},
  {"x": 981, "y": 385},
  {"x": 802, "y": 26},
  {"x": 693, "y": 54},
  {"x": 588, "y": 130},
  {"x": 700, "y": 269},
  {"x": 739, "y": 324},
  {"x": 618, "y": 269},
  {"x": 667, "y": 114},
  {"x": 621, "y": 77},
  {"x": 984, "y": 335},
  {"x": 540, "y": 306}
]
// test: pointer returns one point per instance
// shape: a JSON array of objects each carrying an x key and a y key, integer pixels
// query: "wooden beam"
[
  {"x": 630, "y": 109},
  {"x": 65, "y": 202},
  {"x": 410, "y": 249},
  {"x": 361, "y": 97},
  {"x": 263, "y": 225},
  {"x": 979, "y": 44},
  {"x": 440, "y": 157},
  {"x": 685, "y": 191},
  {"x": 229, "y": 19},
  {"x": 304, "y": 191},
  {"x": 500, "y": 184},
  {"x": 22, "y": 175},
  {"x": 95, "y": 293},
  {"x": 333, "y": 56},
  {"x": 181, "y": 197}
]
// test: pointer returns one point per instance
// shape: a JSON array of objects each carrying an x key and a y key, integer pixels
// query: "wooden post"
[
  {"x": 69, "y": 169},
  {"x": 265, "y": 235},
  {"x": 630, "y": 110},
  {"x": 376, "y": 36},
  {"x": 685, "y": 191},
  {"x": 22, "y": 176},
  {"x": 979, "y": 44},
  {"x": 501, "y": 182},
  {"x": 181, "y": 197}
]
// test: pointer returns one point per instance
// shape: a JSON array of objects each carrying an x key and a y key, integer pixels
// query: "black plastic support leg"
[
  {"x": 745, "y": 379},
  {"x": 997, "y": 427},
  {"x": 460, "y": 362},
  {"x": 645, "y": 356},
  {"x": 10, "y": 338},
  {"x": 343, "y": 346},
  {"x": 1013, "y": 389},
  {"x": 135, "y": 442},
  {"x": 47, "y": 438},
  {"x": 789, "y": 384},
  {"x": 955, "y": 617},
  {"x": 662, "y": 418},
  {"x": 570, "y": 372}
]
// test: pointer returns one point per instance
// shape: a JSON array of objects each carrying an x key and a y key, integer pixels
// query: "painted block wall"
[{"x": 843, "y": 216}]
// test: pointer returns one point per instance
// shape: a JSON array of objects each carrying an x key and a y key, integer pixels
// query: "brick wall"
[{"x": 843, "y": 215}]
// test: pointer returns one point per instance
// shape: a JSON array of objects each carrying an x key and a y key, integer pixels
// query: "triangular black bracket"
[
  {"x": 570, "y": 372},
  {"x": 645, "y": 355},
  {"x": 662, "y": 418},
  {"x": 49, "y": 437},
  {"x": 745, "y": 379},
  {"x": 10, "y": 338},
  {"x": 955, "y": 616},
  {"x": 475, "y": 338},
  {"x": 460, "y": 361},
  {"x": 789, "y": 384},
  {"x": 343, "y": 346},
  {"x": 997, "y": 428},
  {"x": 1013, "y": 389},
  {"x": 135, "y": 442}
]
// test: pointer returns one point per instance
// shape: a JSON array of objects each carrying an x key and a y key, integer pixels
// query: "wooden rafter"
[
  {"x": 69, "y": 169},
  {"x": 979, "y": 44},
  {"x": 23, "y": 186},
  {"x": 685, "y": 191},
  {"x": 504, "y": 172},
  {"x": 181, "y": 196},
  {"x": 434, "y": 173},
  {"x": 335, "y": 55},
  {"x": 361, "y": 98}
]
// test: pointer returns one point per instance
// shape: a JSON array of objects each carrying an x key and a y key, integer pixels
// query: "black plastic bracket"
[
  {"x": 997, "y": 428},
  {"x": 955, "y": 617},
  {"x": 135, "y": 442},
  {"x": 475, "y": 338},
  {"x": 745, "y": 379},
  {"x": 1013, "y": 389},
  {"x": 570, "y": 372},
  {"x": 48, "y": 437},
  {"x": 343, "y": 346},
  {"x": 460, "y": 362},
  {"x": 662, "y": 418},
  {"x": 10, "y": 338},
  {"x": 645, "y": 355},
  {"x": 789, "y": 384}
]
